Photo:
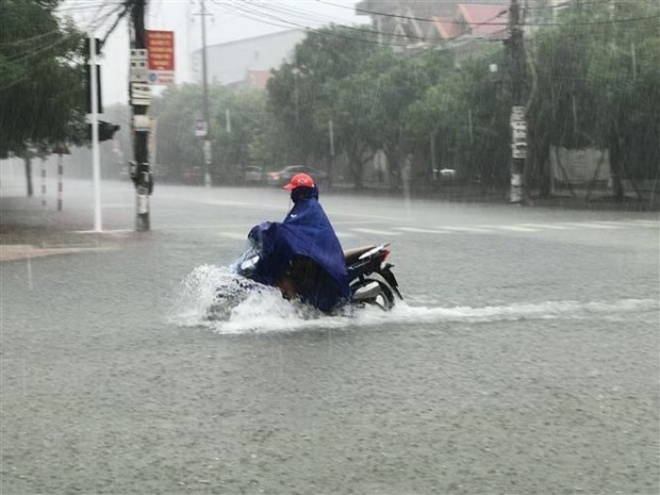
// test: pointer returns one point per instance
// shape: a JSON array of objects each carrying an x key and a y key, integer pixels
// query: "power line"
[
  {"x": 383, "y": 14},
  {"x": 261, "y": 15},
  {"x": 28, "y": 56},
  {"x": 282, "y": 23},
  {"x": 27, "y": 40},
  {"x": 365, "y": 30}
]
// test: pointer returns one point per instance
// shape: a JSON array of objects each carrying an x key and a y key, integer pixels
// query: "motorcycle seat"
[{"x": 352, "y": 255}]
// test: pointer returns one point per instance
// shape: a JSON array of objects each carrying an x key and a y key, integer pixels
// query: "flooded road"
[{"x": 524, "y": 358}]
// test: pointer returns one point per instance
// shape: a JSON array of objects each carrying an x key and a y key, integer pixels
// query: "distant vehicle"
[
  {"x": 282, "y": 177},
  {"x": 444, "y": 174},
  {"x": 193, "y": 175},
  {"x": 254, "y": 175}
]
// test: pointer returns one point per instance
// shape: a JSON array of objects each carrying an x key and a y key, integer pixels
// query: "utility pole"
[
  {"x": 331, "y": 131},
  {"x": 139, "y": 99},
  {"x": 518, "y": 111},
  {"x": 208, "y": 150}
]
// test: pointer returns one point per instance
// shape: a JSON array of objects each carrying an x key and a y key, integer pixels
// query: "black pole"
[
  {"x": 518, "y": 111},
  {"x": 142, "y": 176},
  {"x": 28, "y": 174}
]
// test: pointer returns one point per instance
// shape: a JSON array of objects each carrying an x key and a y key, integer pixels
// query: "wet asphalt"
[{"x": 525, "y": 360}]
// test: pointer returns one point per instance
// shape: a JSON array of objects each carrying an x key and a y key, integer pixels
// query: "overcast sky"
[{"x": 229, "y": 20}]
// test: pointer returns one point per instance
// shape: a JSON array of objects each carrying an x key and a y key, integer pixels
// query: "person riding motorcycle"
[{"x": 302, "y": 255}]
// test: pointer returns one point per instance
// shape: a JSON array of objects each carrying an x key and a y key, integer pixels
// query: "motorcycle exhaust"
[{"x": 369, "y": 291}]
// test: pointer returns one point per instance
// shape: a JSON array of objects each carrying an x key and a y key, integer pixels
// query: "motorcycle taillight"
[{"x": 386, "y": 253}]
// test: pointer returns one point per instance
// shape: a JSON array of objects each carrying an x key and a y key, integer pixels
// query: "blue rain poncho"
[{"x": 305, "y": 232}]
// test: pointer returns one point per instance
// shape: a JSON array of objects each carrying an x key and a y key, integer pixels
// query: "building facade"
[{"x": 243, "y": 62}]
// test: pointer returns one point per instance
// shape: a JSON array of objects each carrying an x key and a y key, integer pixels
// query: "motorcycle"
[{"x": 371, "y": 280}]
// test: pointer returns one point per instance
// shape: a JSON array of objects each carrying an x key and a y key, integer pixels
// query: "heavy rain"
[{"x": 329, "y": 247}]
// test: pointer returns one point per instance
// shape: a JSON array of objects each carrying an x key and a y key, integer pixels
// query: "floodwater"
[{"x": 524, "y": 358}]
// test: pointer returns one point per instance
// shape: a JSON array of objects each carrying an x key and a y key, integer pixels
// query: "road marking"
[
  {"x": 587, "y": 225},
  {"x": 221, "y": 202},
  {"x": 218, "y": 226},
  {"x": 344, "y": 234},
  {"x": 9, "y": 252},
  {"x": 116, "y": 231},
  {"x": 512, "y": 228},
  {"x": 421, "y": 231},
  {"x": 551, "y": 226},
  {"x": 234, "y": 235},
  {"x": 647, "y": 223},
  {"x": 466, "y": 229},
  {"x": 375, "y": 232}
]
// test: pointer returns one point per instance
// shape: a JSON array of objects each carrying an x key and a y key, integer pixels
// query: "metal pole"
[
  {"x": 60, "y": 173},
  {"x": 43, "y": 182},
  {"x": 96, "y": 159},
  {"x": 331, "y": 131},
  {"x": 28, "y": 172},
  {"x": 208, "y": 150},
  {"x": 433, "y": 163}
]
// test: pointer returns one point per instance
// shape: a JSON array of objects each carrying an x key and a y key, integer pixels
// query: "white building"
[{"x": 230, "y": 63}]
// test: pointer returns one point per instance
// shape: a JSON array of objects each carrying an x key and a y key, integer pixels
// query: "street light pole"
[
  {"x": 96, "y": 160},
  {"x": 208, "y": 153}
]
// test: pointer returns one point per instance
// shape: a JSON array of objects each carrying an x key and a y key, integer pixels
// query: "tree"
[
  {"x": 302, "y": 94},
  {"x": 623, "y": 75},
  {"x": 41, "y": 77},
  {"x": 465, "y": 113}
]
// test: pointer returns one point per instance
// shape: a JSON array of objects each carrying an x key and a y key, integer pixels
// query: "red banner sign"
[{"x": 160, "y": 56}]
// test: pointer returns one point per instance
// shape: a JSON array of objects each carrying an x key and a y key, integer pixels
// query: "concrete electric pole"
[
  {"x": 518, "y": 112},
  {"x": 139, "y": 95},
  {"x": 208, "y": 151}
]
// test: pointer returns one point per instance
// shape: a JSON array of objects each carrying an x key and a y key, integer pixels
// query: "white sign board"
[
  {"x": 200, "y": 128},
  {"x": 518, "y": 133},
  {"x": 138, "y": 71}
]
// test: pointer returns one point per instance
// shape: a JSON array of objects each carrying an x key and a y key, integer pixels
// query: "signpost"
[
  {"x": 518, "y": 151},
  {"x": 200, "y": 128},
  {"x": 152, "y": 63}
]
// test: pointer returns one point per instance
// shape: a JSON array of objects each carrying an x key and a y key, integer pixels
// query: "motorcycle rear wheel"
[{"x": 384, "y": 299}]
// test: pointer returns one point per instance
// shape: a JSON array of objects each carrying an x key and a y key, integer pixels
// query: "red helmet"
[{"x": 300, "y": 180}]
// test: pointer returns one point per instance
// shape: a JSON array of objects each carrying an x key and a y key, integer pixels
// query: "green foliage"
[
  {"x": 302, "y": 95},
  {"x": 41, "y": 76},
  {"x": 592, "y": 82},
  {"x": 234, "y": 146},
  {"x": 466, "y": 113},
  {"x": 598, "y": 85}
]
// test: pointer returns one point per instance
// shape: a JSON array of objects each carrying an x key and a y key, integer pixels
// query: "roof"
[
  {"x": 481, "y": 20},
  {"x": 447, "y": 28},
  {"x": 485, "y": 20},
  {"x": 257, "y": 79}
]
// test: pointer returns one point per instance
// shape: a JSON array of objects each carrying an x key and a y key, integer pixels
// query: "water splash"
[{"x": 263, "y": 310}]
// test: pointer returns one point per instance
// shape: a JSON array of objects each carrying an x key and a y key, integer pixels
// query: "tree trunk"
[
  {"x": 545, "y": 172},
  {"x": 28, "y": 176},
  {"x": 355, "y": 163},
  {"x": 615, "y": 157},
  {"x": 393, "y": 168}
]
